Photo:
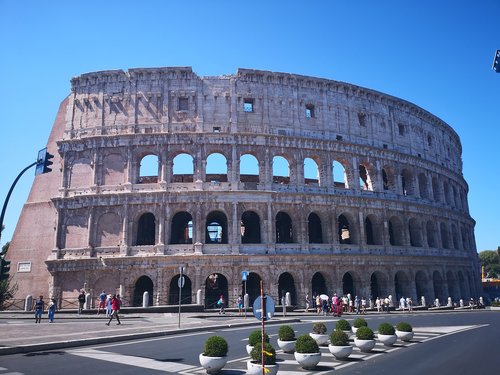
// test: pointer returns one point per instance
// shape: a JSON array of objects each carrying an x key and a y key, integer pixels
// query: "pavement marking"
[{"x": 129, "y": 360}]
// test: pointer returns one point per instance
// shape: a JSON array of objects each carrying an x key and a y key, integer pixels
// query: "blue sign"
[
  {"x": 269, "y": 308},
  {"x": 244, "y": 275}
]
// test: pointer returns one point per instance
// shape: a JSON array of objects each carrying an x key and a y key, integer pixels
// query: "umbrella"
[{"x": 324, "y": 296}]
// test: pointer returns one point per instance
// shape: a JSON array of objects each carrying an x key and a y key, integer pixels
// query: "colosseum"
[{"x": 308, "y": 184}]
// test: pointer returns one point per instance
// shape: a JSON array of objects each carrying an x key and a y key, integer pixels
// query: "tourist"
[
  {"x": 102, "y": 302},
  {"x": 356, "y": 304},
  {"x": 39, "y": 307},
  {"x": 308, "y": 302},
  {"x": 220, "y": 304},
  {"x": 363, "y": 305},
  {"x": 402, "y": 303},
  {"x": 81, "y": 301},
  {"x": 378, "y": 304},
  {"x": 240, "y": 305},
  {"x": 115, "y": 303},
  {"x": 109, "y": 306},
  {"x": 52, "y": 310}
]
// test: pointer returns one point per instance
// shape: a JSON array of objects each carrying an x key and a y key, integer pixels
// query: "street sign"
[
  {"x": 269, "y": 308},
  {"x": 181, "y": 281},
  {"x": 244, "y": 275}
]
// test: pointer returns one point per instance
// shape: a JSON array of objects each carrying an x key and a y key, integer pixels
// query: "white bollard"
[
  {"x": 28, "y": 303},
  {"x": 88, "y": 302},
  {"x": 145, "y": 299},
  {"x": 198, "y": 297}
]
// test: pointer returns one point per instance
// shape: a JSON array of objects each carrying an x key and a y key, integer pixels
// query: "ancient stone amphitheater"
[{"x": 308, "y": 184}]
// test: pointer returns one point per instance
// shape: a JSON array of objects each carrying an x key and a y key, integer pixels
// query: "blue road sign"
[
  {"x": 269, "y": 308},
  {"x": 244, "y": 275}
]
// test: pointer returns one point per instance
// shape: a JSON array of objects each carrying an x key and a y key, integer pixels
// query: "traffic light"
[
  {"x": 43, "y": 162},
  {"x": 496, "y": 61},
  {"x": 4, "y": 269}
]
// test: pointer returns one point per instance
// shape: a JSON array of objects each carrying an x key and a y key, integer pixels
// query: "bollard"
[
  {"x": 198, "y": 297},
  {"x": 288, "y": 299},
  {"x": 145, "y": 299},
  {"x": 449, "y": 302},
  {"x": 28, "y": 303},
  {"x": 422, "y": 301},
  {"x": 88, "y": 301}
]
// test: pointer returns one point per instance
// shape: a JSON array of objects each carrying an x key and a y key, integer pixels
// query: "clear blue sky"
[{"x": 436, "y": 54}]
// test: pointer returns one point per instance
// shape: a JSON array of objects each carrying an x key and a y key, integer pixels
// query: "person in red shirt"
[{"x": 115, "y": 306}]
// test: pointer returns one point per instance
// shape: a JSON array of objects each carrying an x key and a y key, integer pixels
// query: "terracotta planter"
[
  {"x": 287, "y": 346},
  {"x": 404, "y": 336},
  {"x": 364, "y": 345},
  {"x": 340, "y": 352},
  {"x": 387, "y": 340},
  {"x": 212, "y": 364},
  {"x": 256, "y": 368},
  {"x": 308, "y": 361},
  {"x": 319, "y": 338}
]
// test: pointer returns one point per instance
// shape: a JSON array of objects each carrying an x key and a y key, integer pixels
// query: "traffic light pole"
[{"x": 4, "y": 208}]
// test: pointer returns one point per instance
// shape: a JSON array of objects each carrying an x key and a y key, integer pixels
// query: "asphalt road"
[{"x": 444, "y": 343}]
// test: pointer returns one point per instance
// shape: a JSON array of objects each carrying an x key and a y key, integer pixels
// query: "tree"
[
  {"x": 491, "y": 262},
  {"x": 7, "y": 291}
]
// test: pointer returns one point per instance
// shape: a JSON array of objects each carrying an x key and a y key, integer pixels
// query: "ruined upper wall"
[{"x": 170, "y": 100}]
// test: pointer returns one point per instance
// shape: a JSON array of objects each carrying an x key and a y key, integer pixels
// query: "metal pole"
[
  {"x": 262, "y": 328},
  {"x": 181, "y": 269},
  {"x": 6, "y": 202},
  {"x": 244, "y": 294}
]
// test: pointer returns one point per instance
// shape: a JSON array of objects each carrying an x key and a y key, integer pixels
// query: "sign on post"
[{"x": 268, "y": 308}]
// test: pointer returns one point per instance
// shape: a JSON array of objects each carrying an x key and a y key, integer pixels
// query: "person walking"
[
  {"x": 220, "y": 304},
  {"x": 102, "y": 302},
  {"x": 52, "y": 310},
  {"x": 109, "y": 307},
  {"x": 81, "y": 301},
  {"x": 308, "y": 302},
  {"x": 240, "y": 305},
  {"x": 39, "y": 307},
  {"x": 115, "y": 305}
]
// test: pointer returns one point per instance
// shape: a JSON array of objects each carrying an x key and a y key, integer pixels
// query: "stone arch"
[
  {"x": 388, "y": 178},
  {"x": 453, "y": 290},
  {"x": 250, "y": 227},
  {"x": 281, "y": 170},
  {"x": 284, "y": 228},
  {"x": 216, "y": 285},
  {"x": 365, "y": 177},
  {"x": 216, "y": 228},
  {"x": 81, "y": 173},
  {"x": 422, "y": 186},
  {"x": 431, "y": 234},
  {"x": 148, "y": 169},
  {"x": 373, "y": 230},
  {"x": 252, "y": 286},
  {"x": 346, "y": 230},
  {"x": 216, "y": 168},
  {"x": 318, "y": 284},
  {"x": 349, "y": 284},
  {"x": 415, "y": 231},
  {"x": 249, "y": 169},
  {"x": 113, "y": 166},
  {"x": 109, "y": 230},
  {"x": 422, "y": 287},
  {"x": 339, "y": 173},
  {"x": 314, "y": 227},
  {"x": 186, "y": 292},
  {"x": 311, "y": 172},
  {"x": 142, "y": 284},
  {"x": 183, "y": 168},
  {"x": 407, "y": 183},
  {"x": 436, "y": 192},
  {"x": 401, "y": 285},
  {"x": 286, "y": 283},
  {"x": 146, "y": 229},
  {"x": 464, "y": 292},
  {"x": 445, "y": 242},
  {"x": 446, "y": 192},
  {"x": 454, "y": 237},
  {"x": 438, "y": 284},
  {"x": 181, "y": 228},
  {"x": 395, "y": 231},
  {"x": 379, "y": 285}
]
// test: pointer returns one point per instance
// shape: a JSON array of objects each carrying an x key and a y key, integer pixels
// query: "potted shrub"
[
  {"x": 307, "y": 352},
  {"x": 254, "y": 365},
  {"x": 319, "y": 333},
  {"x": 339, "y": 344},
  {"x": 386, "y": 334},
  {"x": 364, "y": 339},
  {"x": 286, "y": 339},
  {"x": 344, "y": 325},
  {"x": 214, "y": 356},
  {"x": 255, "y": 338},
  {"x": 358, "y": 322},
  {"x": 404, "y": 331}
]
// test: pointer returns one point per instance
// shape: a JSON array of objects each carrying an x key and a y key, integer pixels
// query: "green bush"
[
  {"x": 256, "y": 337},
  {"x": 364, "y": 333},
  {"x": 359, "y": 322},
  {"x": 306, "y": 344},
  {"x": 495, "y": 304},
  {"x": 286, "y": 333},
  {"x": 339, "y": 338},
  {"x": 319, "y": 328},
  {"x": 386, "y": 329},
  {"x": 404, "y": 327},
  {"x": 215, "y": 346},
  {"x": 343, "y": 325},
  {"x": 256, "y": 354}
]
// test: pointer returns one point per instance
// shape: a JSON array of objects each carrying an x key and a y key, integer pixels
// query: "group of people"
[
  {"x": 109, "y": 303},
  {"x": 336, "y": 305}
]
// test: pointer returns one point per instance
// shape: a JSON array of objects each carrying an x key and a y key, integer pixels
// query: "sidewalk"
[{"x": 20, "y": 334}]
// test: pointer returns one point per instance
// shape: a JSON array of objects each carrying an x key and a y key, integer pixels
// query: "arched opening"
[
  {"x": 181, "y": 230},
  {"x": 365, "y": 182},
  {"x": 284, "y": 230},
  {"x": 314, "y": 228},
  {"x": 311, "y": 172},
  {"x": 395, "y": 232},
  {"x": 249, "y": 171},
  {"x": 438, "y": 285},
  {"x": 401, "y": 285},
  {"x": 318, "y": 284},
  {"x": 387, "y": 179},
  {"x": 454, "y": 236},
  {"x": 422, "y": 186},
  {"x": 453, "y": 291},
  {"x": 250, "y": 227},
  {"x": 183, "y": 168},
  {"x": 415, "y": 232},
  {"x": 431, "y": 234},
  {"x": 281, "y": 170},
  {"x": 252, "y": 287},
  {"x": 422, "y": 287},
  {"x": 348, "y": 284},
  {"x": 463, "y": 288},
  {"x": 446, "y": 191},
  {"x": 143, "y": 284},
  {"x": 173, "y": 295},
  {"x": 378, "y": 285},
  {"x": 215, "y": 286},
  {"x": 339, "y": 175},
  {"x": 216, "y": 170},
  {"x": 407, "y": 183},
  {"x": 444, "y": 236},
  {"x": 372, "y": 231},
  {"x": 435, "y": 190},
  {"x": 344, "y": 231},
  {"x": 287, "y": 284},
  {"x": 148, "y": 170},
  {"x": 146, "y": 229},
  {"x": 216, "y": 228}
]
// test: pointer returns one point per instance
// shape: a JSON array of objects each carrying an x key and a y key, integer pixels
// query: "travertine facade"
[{"x": 373, "y": 201}]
